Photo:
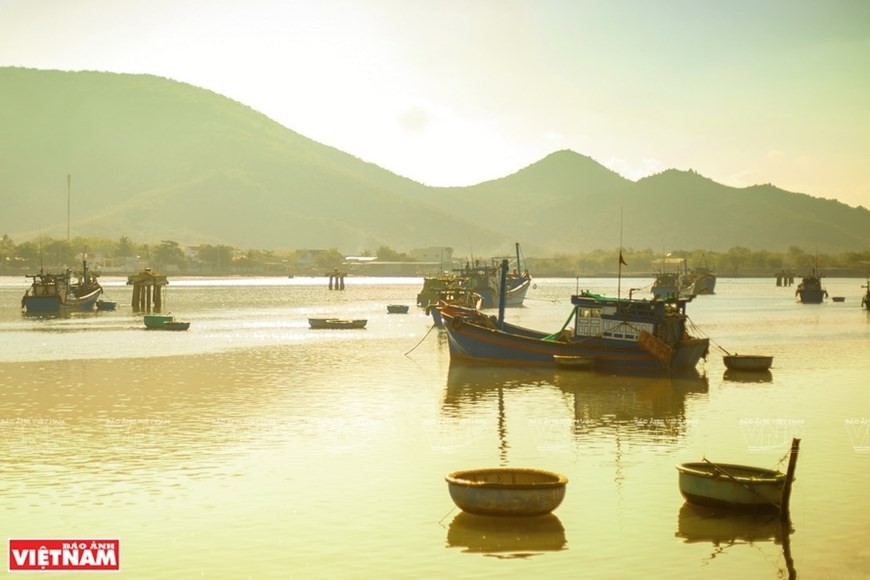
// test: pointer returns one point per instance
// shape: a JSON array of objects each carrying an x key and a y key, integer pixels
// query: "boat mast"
[
  {"x": 68, "y": 197},
  {"x": 621, "y": 260}
]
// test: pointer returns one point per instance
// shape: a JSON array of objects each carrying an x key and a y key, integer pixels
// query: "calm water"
[{"x": 252, "y": 446}]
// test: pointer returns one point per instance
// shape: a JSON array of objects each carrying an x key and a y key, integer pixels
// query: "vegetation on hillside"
[
  {"x": 206, "y": 259},
  {"x": 104, "y": 154}
]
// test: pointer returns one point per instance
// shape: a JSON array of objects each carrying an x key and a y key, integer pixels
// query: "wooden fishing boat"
[
  {"x": 810, "y": 290},
  {"x": 731, "y": 486},
  {"x": 620, "y": 334},
  {"x": 336, "y": 323},
  {"x": 397, "y": 308},
  {"x": 506, "y": 491},
  {"x": 747, "y": 362},
  {"x": 574, "y": 362},
  {"x": 59, "y": 292}
]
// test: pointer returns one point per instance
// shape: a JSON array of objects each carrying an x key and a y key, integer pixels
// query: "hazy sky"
[{"x": 454, "y": 92}]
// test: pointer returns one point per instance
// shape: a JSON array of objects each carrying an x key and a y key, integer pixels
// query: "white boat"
[{"x": 731, "y": 486}]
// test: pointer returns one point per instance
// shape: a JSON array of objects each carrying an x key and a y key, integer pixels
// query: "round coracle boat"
[{"x": 506, "y": 491}]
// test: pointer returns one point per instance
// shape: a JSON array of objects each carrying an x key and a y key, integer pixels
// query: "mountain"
[{"x": 154, "y": 159}]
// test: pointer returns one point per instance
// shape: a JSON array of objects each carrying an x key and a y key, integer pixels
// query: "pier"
[{"x": 147, "y": 290}]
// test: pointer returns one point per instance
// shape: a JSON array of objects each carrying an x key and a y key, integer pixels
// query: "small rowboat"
[
  {"x": 574, "y": 362},
  {"x": 397, "y": 308},
  {"x": 164, "y": 322},
  {"x": 731, "y": 486},
  {"x": 506, "y": 491},
  {"x": 336, "y": 323},
  {"x": 838, "y": 298},
  {"x": 747, "y": 362}
]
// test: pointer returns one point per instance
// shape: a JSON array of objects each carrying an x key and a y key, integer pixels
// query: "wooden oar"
[{"x": 744, "y": 484}]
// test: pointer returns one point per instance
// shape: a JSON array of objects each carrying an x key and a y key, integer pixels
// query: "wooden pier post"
[
  {"x": 147, "y": 290},
  {"x": 789, "y": 478}
]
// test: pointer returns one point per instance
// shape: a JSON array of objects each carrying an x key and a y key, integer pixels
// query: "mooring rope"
[{"x": 421, "y": 340}]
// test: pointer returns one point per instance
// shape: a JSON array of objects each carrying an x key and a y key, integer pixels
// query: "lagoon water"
[{"x": 253, "y": 447}]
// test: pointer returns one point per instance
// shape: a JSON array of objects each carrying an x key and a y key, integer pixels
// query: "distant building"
[{"x": 438, "y": 254}]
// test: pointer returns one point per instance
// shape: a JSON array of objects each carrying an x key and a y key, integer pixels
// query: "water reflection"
[
  {"x": 733, "y": 376},
  {"x": 643, "y": 407},
  {"x": 723, "y": 529},
  {"x": 506, "y": 537}
]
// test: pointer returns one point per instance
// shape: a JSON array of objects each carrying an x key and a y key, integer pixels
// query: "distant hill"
[{"x": 154, "y": 159}]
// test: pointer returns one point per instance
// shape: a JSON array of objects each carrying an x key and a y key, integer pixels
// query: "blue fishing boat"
[
  {"x": 619, "y": 334},
  {"x": 60, "y": 292},
  {"x": 810, "y": 290},
  {"x": 481, "y": 279}
]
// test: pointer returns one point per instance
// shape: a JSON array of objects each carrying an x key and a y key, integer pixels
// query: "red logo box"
[{"x": 60, "y": 555}]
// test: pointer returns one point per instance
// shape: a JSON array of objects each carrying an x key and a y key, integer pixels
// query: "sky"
[{"x": 456, "y": 92}]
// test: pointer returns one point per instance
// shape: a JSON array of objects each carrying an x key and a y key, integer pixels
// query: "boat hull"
[
  {"x": 506, "y": 491},
  {"x": 731, "y": 486},
  {"x": 56, "y": 303},
  {"x": 336, "y": 323},
  {"x": 811, "y": 296},
  {"x": 41, "y": 303},
  {"x": 747, "y": 362}
]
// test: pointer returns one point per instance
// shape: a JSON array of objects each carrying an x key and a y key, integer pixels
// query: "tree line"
[{"x": 204, "y": 259}]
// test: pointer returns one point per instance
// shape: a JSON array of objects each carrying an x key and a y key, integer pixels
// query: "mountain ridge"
[{"x": 154, "y": 159}]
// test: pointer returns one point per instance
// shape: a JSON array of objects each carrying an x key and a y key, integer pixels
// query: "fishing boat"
[
  {"x": 164, "y": 322},
  {"x": 397, "y": 308},
  {"x": 620, "y": 334},
  {"x": 432, "y": 286},
  {"x": 459, "y": 300},
  {"x": 747, "y": 362},
  {"x": 60, "y": 292},
  {"x": 482, "y": 279},
  {"x": 506, "y": 491},
  {"x": 667, "y": 285},
  {"x": 699, "y": 281},
  {"x": 810, "y": 290},
  {"x": 336, "y": 323},
  {"x": 670, "y": 283},
  {"x": 865, "y": 301},
  {"x": 731, "y": 486}
]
